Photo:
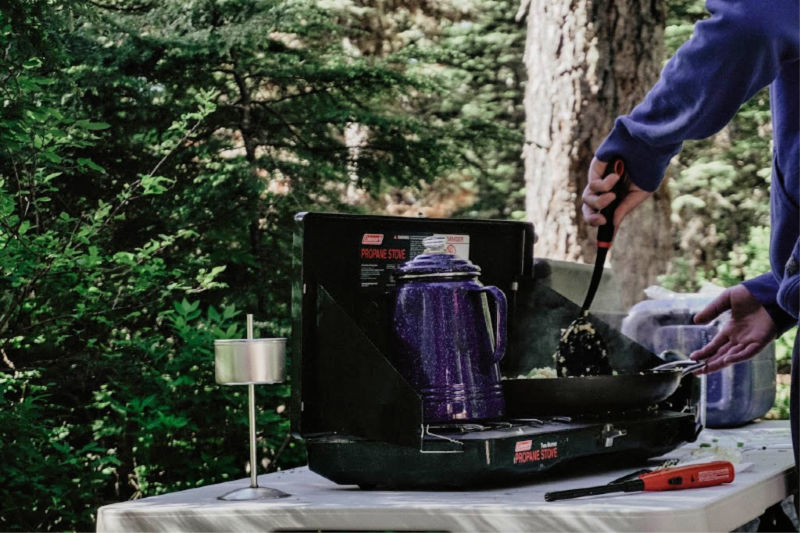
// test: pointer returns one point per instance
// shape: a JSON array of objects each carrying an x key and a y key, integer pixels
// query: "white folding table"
[{"x": 762, "y": 452}]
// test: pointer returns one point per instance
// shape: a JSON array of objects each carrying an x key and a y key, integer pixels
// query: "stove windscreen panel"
[{"x": 352, "y": 259}]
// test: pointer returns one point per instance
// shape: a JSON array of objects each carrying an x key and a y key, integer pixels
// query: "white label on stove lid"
[{"x": 456, "y": 244}]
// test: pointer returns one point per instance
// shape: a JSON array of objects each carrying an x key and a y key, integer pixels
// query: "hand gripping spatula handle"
[
  {"x": 682, "y": 477},
  {"x": 605, "y": 233}
]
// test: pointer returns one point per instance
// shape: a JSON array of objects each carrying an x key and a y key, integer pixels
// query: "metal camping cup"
[
  {"x": 447, "y": 345},
  {"x": 250, "y": 362}
]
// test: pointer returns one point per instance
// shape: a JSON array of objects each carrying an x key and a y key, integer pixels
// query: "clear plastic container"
[
  {"x": 735, "y": 395},
  {"x": 742, "y": 392}
]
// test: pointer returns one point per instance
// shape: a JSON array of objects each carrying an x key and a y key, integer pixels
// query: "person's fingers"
[
  {"x": 730, "y": 353},
  {"x": 595, "y": 196},
  {"x": 717, "y": 360},
  {"x": 596, "y": 169},
  {"x": 717, "y": 363},
  {"x": 603, "y": 185},
  {"x": 725, "y": 349},
  {"x": 597, "y": 201},
  {"x": 744, "y": 353},
  {"x": 700, "y": 371},
  {"x": 713, "y": 363},
  {"x": 592, "y": 216},
  {"x": 718, "y": 305},
  {"x": 719, "y": 341}
]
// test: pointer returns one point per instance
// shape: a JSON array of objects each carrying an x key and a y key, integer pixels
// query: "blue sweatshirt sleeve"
[
  {"x": 730, "y": 57},
  {"x": 764, "y": 288},
  {"x": 789, "y": 288}
]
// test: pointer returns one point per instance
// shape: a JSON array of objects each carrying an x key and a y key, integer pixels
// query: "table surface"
[{"x": 761, "y": 451}]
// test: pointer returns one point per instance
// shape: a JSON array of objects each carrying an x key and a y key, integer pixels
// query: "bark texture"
[{"x": 588, "y": 62}]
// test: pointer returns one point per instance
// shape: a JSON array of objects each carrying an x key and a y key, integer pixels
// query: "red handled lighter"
[{"x": 681, "y": 477}]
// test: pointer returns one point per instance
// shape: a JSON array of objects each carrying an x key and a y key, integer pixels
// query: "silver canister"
[{"x": 250, "y": 361}]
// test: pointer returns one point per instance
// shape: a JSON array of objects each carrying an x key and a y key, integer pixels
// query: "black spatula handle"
[{"x": 605, "y": 233}]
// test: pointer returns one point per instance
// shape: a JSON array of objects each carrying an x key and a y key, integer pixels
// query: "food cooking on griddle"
[
  {"x": 581, "y": 351},
  {"x": 539, "y": 372}
]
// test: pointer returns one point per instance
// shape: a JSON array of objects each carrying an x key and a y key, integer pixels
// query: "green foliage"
[
  {"x": 488, "y": 78},
  {"x": 152, "y": 157},
  {"x": 77, "y": 312},
  {"x": 50, "y": 477},
  {"x": 780, "y": 410}
]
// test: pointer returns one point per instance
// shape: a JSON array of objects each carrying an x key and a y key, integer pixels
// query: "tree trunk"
[{"x": 587, "y": 62}]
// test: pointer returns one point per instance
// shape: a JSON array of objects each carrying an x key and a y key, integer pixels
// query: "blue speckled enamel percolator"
[{"x": 447, "y": 346}]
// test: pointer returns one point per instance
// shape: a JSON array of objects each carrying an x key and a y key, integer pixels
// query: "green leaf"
[
  {"x": 88, "y": 163},
  {"x": 51, "y": 156},
  {"x": 188, "y": 307},
  {"x": 92, "y": 126},
  {"x": 32, "y": 63},
  {"x": 153, "y": 185}
]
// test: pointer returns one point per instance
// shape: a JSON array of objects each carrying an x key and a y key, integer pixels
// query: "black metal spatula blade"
[{"x": 581, "y": 351}]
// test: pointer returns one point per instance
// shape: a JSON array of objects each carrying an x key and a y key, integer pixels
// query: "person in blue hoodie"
[{"x": 743, "y": 46}]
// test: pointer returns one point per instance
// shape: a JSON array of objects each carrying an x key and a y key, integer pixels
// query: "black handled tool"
[
  {"x": 605, "y": 233},
  {"x": 581, "y": 351}
]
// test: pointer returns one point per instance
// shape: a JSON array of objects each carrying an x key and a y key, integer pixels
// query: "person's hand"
[
  {"x": 748, "y": 331},
  {"x": 596, "y": 196}
]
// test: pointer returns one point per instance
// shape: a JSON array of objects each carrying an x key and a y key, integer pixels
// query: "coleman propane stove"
[{"x": 365, "y": 424}]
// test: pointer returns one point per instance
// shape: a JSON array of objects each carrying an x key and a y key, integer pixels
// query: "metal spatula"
[{"x": 581, "y": 351}]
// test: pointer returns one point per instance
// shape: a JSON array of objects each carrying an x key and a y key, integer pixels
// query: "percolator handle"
[{"x": 501, "y": 310}]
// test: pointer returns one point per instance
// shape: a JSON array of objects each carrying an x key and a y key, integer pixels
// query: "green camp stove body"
[{"x": 362, "y": 422}]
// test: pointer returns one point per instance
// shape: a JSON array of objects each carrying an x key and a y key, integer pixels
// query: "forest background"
[{"x": 152, "y": 158}]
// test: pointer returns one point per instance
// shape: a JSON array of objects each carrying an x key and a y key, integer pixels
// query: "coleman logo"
[
  {"x": 375, "y": 239},
  {"x": 523, "y": 446}
]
